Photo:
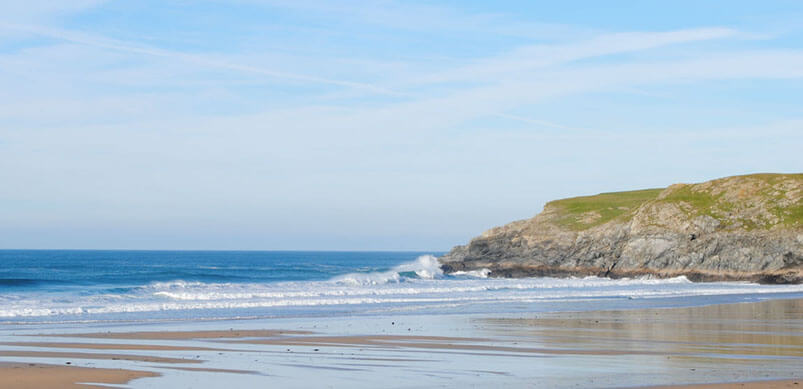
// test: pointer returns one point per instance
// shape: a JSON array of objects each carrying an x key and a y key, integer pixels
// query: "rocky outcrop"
[{"x": 735, "y": 228}]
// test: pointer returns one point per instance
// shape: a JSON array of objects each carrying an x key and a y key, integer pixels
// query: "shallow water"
[
  {"x": 105, "y": 286},
  {"x": 618, "y": 348}
]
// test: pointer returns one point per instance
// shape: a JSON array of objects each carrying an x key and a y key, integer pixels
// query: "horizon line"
[{"x": 241, "y": 250}]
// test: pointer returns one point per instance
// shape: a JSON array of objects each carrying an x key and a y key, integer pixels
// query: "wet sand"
[
  {"x": 771, "y": 328},
  {"x": 737, "y": 345},
  {"x": 179, "y": 335},
  {"x": 109, "y": 346},
  {"x": 66, "y": 355},
  {"x": 782, "y": 384},
  {"x": 422, "y": 342}
]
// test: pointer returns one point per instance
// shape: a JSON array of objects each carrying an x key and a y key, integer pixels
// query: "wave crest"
[
  {"x": 424, "y": 267},
  {"x": 482, "y": 273}
]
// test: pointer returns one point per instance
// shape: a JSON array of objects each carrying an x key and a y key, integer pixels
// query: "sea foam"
[
  {"x": 424, "y": 267},
  {"x": 416, "y": 286}
]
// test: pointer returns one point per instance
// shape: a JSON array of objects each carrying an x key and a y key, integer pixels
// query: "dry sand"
[{"x": 40, "y": 376}]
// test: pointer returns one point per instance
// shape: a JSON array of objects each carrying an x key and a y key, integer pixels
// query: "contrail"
[
  {"x": 112, "y": 44},
  {"x": 544, "y": 123}
]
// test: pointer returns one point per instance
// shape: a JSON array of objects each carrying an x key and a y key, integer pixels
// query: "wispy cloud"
[
  {"x": 503, "y": 83},
  {"x": 538, "y": 123},
  {"x": 112, "y": 44},
  {"x": 421, "y": 17},
  {"x": 353, "y": 109},
  {"x": 532, "y": 57}
]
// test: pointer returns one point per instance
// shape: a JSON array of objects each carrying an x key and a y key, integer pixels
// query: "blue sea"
[{"x": 62, "y": 286}]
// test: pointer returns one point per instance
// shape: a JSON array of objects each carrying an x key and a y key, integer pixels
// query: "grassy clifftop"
[
  {"x": 580, "y": 213},
  {"x": 756, "y": 201}
]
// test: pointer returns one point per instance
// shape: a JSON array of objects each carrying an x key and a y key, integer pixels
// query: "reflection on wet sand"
[
  {"x": 628, "y": 348},
  {"x": 768, "y": 329}
]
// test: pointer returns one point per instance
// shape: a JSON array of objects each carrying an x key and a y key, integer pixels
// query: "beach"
[
  {"x": 189, "y": 319},
  {"x": 756, "y": 344},
  {"x": 401, "y": 194}
]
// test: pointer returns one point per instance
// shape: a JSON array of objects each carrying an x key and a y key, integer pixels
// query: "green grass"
[
  {"x": 771, "y": 178},
  {"x": 581, "y": 213},
  {"x": 792, "y": 216},
  {"x": 609, "y": 206},
  {"x": 701, "y": 202},
  {"x": 789, "y": 216}
]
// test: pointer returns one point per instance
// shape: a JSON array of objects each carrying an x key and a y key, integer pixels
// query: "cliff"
[{"x": 735, "y": 228}]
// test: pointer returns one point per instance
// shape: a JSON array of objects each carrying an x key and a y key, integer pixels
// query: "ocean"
[{"x": 77, "y": 286}]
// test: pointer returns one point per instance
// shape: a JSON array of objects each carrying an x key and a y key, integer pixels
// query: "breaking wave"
[
  {"x": 425, "y": 267},
  {"x": 482, "y": 273},
  {"x": 416, "y": 286}
]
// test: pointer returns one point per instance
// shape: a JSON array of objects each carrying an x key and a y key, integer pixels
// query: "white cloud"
[{"x": 117, "y": 131}]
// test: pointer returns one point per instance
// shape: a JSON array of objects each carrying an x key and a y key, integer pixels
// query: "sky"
[{"x": 384, "y": 125}]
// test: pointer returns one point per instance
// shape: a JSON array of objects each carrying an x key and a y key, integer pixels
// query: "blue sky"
[{"x": 317, "y": 124}]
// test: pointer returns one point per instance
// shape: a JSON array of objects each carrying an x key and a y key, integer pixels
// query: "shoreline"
[
  {"x": 768, "y": 384},
  {"x": 517, "y": 270},
  {"x": 674, "y": 347}
]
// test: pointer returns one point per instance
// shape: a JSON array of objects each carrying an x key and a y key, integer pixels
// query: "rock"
[{"x": 734, "y": 228}]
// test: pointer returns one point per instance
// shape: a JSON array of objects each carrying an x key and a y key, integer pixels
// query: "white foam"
[
  {"x": 482, "y": 273},
  {"x": 409, "y": 287},
  {"x": 424, "y": 267}
]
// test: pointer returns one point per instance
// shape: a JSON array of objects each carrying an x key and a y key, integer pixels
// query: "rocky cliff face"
[{"x": 735, "y": 228}]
